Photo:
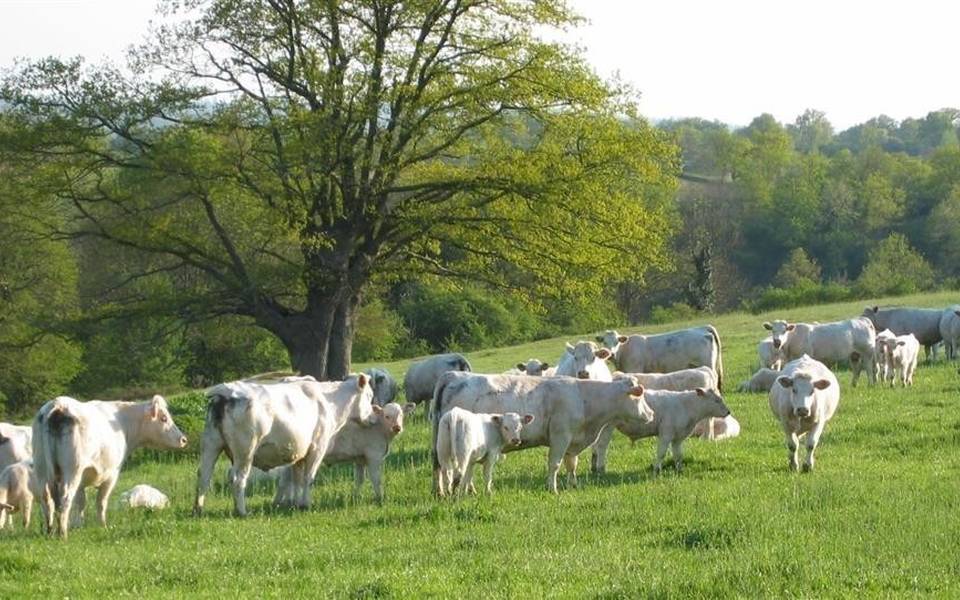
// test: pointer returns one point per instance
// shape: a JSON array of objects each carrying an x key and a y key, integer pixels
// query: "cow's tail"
[
  {"x": 49, "y": 430},
  {"x": 719, "y": 367},
  {"x": 434, "y": 415}
]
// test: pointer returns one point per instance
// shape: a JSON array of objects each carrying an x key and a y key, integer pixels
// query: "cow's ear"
[
  {"x": 527, "y": 419},
  {"x": 637, "y": 390},
  {"x": 785, "y": 382},
  {"x": 599, "y": 339},
  {"x": 602, "y": 354},
  {"x": 156, "y": 404},
  {"x": 569, "y": 348},
  {"x": 496, "y": 419},
  {"x": 876, "y": 309},
  {"x": 622, "y": 339},
  {"x": 767, "y": 325},
  {"x": 791, "y": 327},
  {"x": 409, "y": 407},
  {"x": 701, "y": 392},
  {"x": 362, "y": 380},
  {"x": 821, "y": 384},
  {"x": 957, "y": 312},
  {"x": 544, "y": 366},
  {"x": 522, "y": 367},
  {"x": 377, "y": 409}
]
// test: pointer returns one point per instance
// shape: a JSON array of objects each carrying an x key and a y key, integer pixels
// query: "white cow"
[
  {"x": 77, "y": 445},
  {"x": 761, "y": 381},
  {"x": 568, "y": 413},
  {"x": 145, "y": 496},
  {"x": 269, "y": 425},
  {"x": 675, "y": 415},
  {"x": 586, "y": 360},
  {"x": 899, "y": 355},
  {"x": 366, "y": 445},
  {"x": 15, "y": 444},
  {"x": 465, "y": 439},
  {"x": 770, "y": 353},
  {"x": 666, "y": 352},
  {"x": 853, "y": 341},
  {"x": 422, "y": 376},
  {"x": 923, "y": 323},
  {"x": 533, "y": 367},
  {"x": 804, "y": 399},
  {"x": 18, "y": 487},
  {"x": 384, "y": 385},
  {"x": 950, "y": 330}
]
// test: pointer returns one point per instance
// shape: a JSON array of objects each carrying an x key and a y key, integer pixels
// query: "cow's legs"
[
  {"x": 793, "y": 443},
  {"x": 242, "y": 464},
  {"x": 856, "y": 365},
  {"x": 68, "y": 493},
  {"x": 375, "y": 472},
  {"x": 210, "y": 449},
  {"x": 598, "y": 458},
  {"x": 662, "y": 445},
  {"x": 27, "y": 513},
  {"x": 358, "y": 474},
  {"x": 47, "y": 507},
  {"x": 570, "y": 462},
  {"x": 676, "y": 446},
  {"x": 558, "y": 447},
  {"x": 466, "y": 478},
  {"x": 813, "y": 438},
  {"x": 103, "y": 495},
  {"x": 79, "y": 512},
  {"x": 488, "y": 466}
]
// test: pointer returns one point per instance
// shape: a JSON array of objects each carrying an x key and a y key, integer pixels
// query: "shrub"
[
  {"x": 895, "y": 268},
  {"x": 379, "y": 333},
  {"x": 803, "y": 294},
  {"x": 678, "y": 311}
]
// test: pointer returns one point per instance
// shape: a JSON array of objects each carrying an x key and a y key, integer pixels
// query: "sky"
[{"x": 728, "y": 60}]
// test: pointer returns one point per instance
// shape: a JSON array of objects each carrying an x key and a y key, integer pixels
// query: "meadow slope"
[{"x": 877, "y": 518}]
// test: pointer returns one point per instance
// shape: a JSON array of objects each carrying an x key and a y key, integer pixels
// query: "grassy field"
[{"x": 877, "y": 518}]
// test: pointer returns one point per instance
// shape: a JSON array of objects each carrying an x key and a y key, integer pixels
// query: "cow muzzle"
[
  {"x": 515, "y": 441},
  {"x": 583, "y": 375},
  {"x": 397, "y": 429},
  {"x": 776, "y": 343},
  {"x": 802, "y": 411},
  {"x": 183, "y": 441}
]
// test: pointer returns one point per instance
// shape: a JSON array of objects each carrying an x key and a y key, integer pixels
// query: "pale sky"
[{"x": 728, "y": 60}]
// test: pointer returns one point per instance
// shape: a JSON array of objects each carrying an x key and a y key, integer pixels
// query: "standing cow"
[
  {"x": 269, "y": 425},
  {"x": 898, "y": 355},
  {"x": 853, "y": 341},
  {"x": 422, "y": 376},
  {"x": 586, "y": 360},
  {"x": 15, "y": 444},
  {"x": 383, "y": 384},
  {"x": 77, "y": 445},
  {"x": 804, "y": 398},
  {"x": 923, "y": 323},
  {"x": 666, "y": 352},
  {"x": 568, "y": 414}
]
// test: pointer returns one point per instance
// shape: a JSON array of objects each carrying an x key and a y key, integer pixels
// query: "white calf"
[
  {"x": 804, "y": 400},
  {"x": 18, "y": 487},
  {"x": 899, "y": 355}
]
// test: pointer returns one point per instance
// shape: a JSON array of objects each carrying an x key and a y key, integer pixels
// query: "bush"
[
  {"x": 230, "y": 348},
  {"x": 894, "y": 268},
  {"x": 803, "y": 294},
  {"x": 678, "y": 311},
  {"x": 379, "y": 333}
]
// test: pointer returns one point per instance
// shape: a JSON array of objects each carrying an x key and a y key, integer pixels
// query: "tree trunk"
[
  {"x": 341, "y": 338},
  {"x": 306, "y": 336}
]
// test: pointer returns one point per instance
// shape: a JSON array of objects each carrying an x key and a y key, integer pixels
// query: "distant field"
[{"x": 879, "y": 517}]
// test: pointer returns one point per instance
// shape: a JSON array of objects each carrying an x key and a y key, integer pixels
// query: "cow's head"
[
  {"x": 779, "y": 331},
  {"x": 802, "y": 388},
  {"x": 384, "y": 387},
  {"x": 588, "y": 359},
  {"x": 534, "y": 367},
  {"x": 611, "y": 340},
  {"x": 714, "y": 403},
  {"x": 363, "y": 404},
  {"x": 390, "y": 416},
  {"x": 510, "y": 425},
  {"x": 158, "y": 429},
  {"x": 632, "y": 390},
  {"x": 870, "y": 311}
]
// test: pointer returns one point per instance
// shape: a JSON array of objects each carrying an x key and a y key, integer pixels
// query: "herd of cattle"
[{"x": 667, "y": 386}]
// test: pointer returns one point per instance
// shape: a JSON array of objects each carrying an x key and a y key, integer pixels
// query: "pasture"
[{"x": 878, "y": 517}]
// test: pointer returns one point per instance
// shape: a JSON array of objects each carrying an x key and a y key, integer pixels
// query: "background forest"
[{"x": 765, "y": 216}]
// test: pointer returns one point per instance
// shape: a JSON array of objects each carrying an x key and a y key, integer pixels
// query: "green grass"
[{"x": 877, "y": 518}]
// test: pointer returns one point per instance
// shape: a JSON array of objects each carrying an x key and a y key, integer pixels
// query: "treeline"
[{"x": 766, "y": 216}]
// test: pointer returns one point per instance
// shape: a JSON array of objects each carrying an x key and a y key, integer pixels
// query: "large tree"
[{"x": 271, "y": 158}]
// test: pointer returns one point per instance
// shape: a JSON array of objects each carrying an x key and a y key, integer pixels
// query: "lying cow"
[
  {"x": 804, "y": 399},
  {"x": 533, "y": 367},
  {"x": 269, "y": 425},
  {"x": 761, "y": 381},
  {"x": 666, "y": 352},
  {"x": 15, "y": 444},
  {"x": 145, "y": 496},
  {"x": 950, "y": 330},
  {"x": 923, "y": 323},
  {"x": 77, "y": 445},
  {"x": 898, "y": 355},
  {"x": 366, "y": 445},
  {"x": 383, "y": 384},
  {"x": 18, "y": 487},
  {"x": 853, "y": 341},
  {"x": 568, "y": 414},
  {"x": 586, "y": 360},
  {"x": 675, "y": 415},
  {"x": 422, "y": 376},
  {"x": 465, "y": 439}
]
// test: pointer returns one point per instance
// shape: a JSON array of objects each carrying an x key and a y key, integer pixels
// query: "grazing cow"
[
  {"x": 15, "y": 444},
  {"x": 77, "y": 445},
  {"x": 675, "y": 415},
  {"x": 465, "y": 439},
  {"x": 568, "y": 413},
  {"x": 366, "y": 445},
  {"x": 422, "y": 376},
  {"x": 533, "y": 367},
  {"x": 804, "y": 398},
  {"x": 666, "y": 352},
  {"x": 950, "y": 330},
  {"x": 384, "y": 386},
  {"x": 923, "y": 323},
  {"x": 269, "y": 425},
  {"x": 761, "y": 381},
  {"x": 897, "y": 354},
  {"x": 853, "y": 341},
  {"x": 18, "y": 487},
  {"x": 145, "y": 496},
  {"x": 586, "y": 360},
  {"x": 770, "y": 353}
]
